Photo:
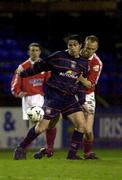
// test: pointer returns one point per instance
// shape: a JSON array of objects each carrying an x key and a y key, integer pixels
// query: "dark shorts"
[
  {"x": 81, "y": 97},
  {"x": 57, "y": 102}
]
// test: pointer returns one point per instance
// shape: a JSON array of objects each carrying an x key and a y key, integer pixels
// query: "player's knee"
[{"x": 81, "y": 128}]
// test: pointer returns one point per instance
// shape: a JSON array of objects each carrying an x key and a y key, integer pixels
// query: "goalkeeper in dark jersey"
[{"x": 69, "y": 72}]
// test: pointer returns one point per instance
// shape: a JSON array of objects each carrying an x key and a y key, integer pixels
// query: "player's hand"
[
  {"x": 81, "y": 78},
  {"x": 86, "y": 83},
  {"x": 78, "y": 79},
  {"x": 22, "y": 94},
  {"x": 19, "y": 70},
  {"x": 85, "y": 108}
]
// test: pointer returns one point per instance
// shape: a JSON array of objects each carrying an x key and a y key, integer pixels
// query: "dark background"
[{"x": 47, "y": 22}]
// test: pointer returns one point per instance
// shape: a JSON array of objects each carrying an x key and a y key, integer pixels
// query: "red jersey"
[
  {"x": 32, "y": 85},
  {"x": 95, "y": 66}
]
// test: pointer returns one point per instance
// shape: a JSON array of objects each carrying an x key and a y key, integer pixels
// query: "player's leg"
[
  {"x": 24, "y": 111},
  {"x": 38, "y": 100},
  {"x": 51, "y": 135},
  {"x": 77, "y": 119},
  {"x": 52, "y": 110},
  {"x": 73, "y": 112},
  {"x": 32, "y": 134},
  {"x": 88, "y": 139},
  {"x": 50, "y": 139}
]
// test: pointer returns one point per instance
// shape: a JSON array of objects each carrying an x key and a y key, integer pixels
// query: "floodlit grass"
[{"x": 109, "y": 167}]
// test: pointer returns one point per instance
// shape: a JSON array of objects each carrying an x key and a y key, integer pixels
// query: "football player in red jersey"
[
  {"x": 30, "y": 89},
  {"x": 95, "y": 66}
]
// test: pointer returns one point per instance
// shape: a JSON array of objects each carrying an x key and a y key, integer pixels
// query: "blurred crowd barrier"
[
  {"x": 107, "y": 129},
  {"x": 13, "y": 129}
]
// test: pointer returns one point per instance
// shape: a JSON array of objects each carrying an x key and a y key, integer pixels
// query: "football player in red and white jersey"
[
  {"x": 95, "y": 66},
  {"x": 30, "y": 89}
]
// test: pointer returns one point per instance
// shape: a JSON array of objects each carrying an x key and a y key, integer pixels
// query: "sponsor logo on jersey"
[
  {"x": 70, "y": 74},
  {"x": 96, "y": 68},
  {"x": 36, "y": 82}
]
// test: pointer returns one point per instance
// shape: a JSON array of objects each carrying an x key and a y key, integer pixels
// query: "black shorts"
[{"x": 57, "y": 102}]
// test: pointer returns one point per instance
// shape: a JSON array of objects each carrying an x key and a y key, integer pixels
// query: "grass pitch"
[{"x": 109, "y": 167}]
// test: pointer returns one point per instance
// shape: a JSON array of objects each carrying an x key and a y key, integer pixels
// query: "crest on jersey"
[
  {"x": 73, "y": 64},
  {"x": 96, "y": 68}
]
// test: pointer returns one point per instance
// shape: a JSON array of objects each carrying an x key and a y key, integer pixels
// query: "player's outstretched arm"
[{"x": 37, "y": 68}]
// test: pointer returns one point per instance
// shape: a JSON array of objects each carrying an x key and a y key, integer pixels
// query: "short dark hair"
[
  {"x": 34, "y": 44},
  {"x": 92, "y": 38},
  {"x": 73, "y": 37}
]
